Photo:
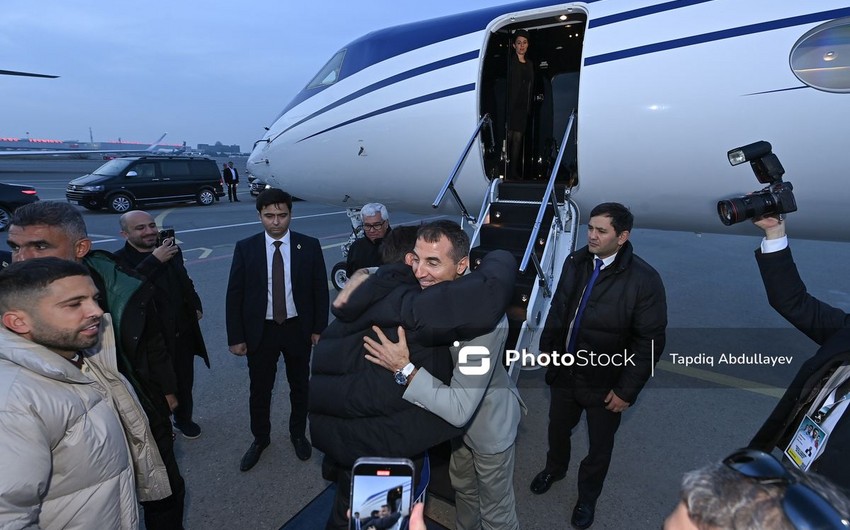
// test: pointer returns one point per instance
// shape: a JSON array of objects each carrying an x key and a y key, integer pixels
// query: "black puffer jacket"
[
  {"x": 356, "y": 408},
  {"x": 626, "y": 311}
]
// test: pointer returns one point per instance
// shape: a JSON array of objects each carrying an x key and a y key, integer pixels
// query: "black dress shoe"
[
  {"x": 543, "y": 481},
  {"x": 583, "y": 515},
  {"x": 303, "y": 449},
  {"x": 252, "y": 455}
]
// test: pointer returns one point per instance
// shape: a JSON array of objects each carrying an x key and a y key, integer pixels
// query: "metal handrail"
[
  {"x": 449, "y": 184},
  {"x": 485, "y": 207},
  {"x": 550, "y": 186}
]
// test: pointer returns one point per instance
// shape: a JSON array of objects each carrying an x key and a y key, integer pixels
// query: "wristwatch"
[{"x": 402, "y": 375}]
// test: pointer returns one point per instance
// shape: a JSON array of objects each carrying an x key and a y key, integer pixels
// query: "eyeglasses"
[
  {"x": 805, "y": 508},
  {"x": 375, "y": 226}
]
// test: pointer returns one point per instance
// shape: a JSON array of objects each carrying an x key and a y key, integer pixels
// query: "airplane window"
[
  {"x": 821, "y": 58},
  {"x": 329, "y": 74}
]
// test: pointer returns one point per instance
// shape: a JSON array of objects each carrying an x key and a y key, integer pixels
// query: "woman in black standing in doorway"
[{"x": 520, "y": 87}]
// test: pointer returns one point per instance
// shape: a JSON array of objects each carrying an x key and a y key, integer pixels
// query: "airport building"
[{"x": 30, "y": 144}]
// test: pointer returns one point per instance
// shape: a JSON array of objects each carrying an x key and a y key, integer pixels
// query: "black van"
[{"x": 123, "y": 183}]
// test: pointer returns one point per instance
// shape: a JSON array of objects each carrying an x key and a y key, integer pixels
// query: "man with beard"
[
  {"x": 57, "y": 229},
  {"x": 177, "y": 303},
  {"x": 64, "y": 410}
]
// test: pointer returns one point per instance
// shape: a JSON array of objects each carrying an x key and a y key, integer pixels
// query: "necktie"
[
  {"x": 278, "y": 286},
  {"x": 571, "y": 345}
]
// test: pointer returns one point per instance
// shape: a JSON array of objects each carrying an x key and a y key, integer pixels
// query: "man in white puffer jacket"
[{"x": 65, "y": 413}]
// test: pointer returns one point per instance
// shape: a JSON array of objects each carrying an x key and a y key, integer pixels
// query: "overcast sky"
[{"x": 202, "y": 71}]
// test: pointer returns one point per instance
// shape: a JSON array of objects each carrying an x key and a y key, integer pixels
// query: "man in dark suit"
[
  {"x": 283, "y": 314},
  {"x": 227, "y": 176},
  {"x": 234, "y": 182},
  {"x": 609, "y": 302}
]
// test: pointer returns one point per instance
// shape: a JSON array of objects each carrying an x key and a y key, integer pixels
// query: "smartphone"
[
  {"x": 164, "y": 234},
  {"x": 381, "y": 491}
]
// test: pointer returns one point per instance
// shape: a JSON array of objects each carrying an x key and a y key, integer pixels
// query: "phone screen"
[{"x": 381, "y": 492}]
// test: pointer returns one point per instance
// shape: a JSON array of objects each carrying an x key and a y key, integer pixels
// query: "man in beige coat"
[{"x": 72, "y": 434}]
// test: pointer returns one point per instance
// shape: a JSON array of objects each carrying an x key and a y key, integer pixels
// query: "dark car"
[
  {"x": 124, "y": 183},
  {"x": 256, "y": 185},
  {"x": 11, "y": 197}
]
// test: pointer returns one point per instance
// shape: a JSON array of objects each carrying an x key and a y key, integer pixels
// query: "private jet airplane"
[{"x": 634, "y": 101}]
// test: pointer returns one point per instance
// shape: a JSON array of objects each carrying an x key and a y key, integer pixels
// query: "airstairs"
[
  {"x": 534, "y": 220},
  {"x": 540, "y": 249}
]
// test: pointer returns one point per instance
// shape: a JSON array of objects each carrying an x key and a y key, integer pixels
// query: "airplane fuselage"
[{"x": 662, "y": 91}]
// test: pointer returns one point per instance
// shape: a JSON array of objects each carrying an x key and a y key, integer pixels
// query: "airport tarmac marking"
[
  {"x": 722, "y": 379},
  {"x": 161, "y": 218},
  {"x": 203, "y": 250}
]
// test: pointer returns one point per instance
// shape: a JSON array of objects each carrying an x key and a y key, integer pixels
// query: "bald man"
[{"x": 178, "y": 304}]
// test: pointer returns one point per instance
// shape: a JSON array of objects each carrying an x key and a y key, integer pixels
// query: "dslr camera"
[
  {"x": 164, "y": 234},
  {"x": 774, "y": 199}
]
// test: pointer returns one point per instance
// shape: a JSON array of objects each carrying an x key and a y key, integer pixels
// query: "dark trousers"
[
  {"x": 288, "y": 339},
  {"x": 231, "y": 191},
  {"x": 569, "y": 399},
  {"x": 515, "y": 165},
  {"x": 167, "y": 513},
  {"x": 184, "y": 368}
]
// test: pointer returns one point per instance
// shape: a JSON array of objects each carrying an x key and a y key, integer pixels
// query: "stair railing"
[
  {"x": 547, "y": 196},
  {"x": 449, "y": 185},
  {"x": 489, "y": 198}
]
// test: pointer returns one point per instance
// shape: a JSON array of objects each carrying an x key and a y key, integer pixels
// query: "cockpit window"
[
  {"x": 329, "y": 74},
  {"x": 821, "y": 58}
]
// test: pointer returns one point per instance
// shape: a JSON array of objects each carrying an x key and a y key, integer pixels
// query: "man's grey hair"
[
  {"x": 52, "y": 213},
  {"x": 717, "y": 496},
  {"x": 375, "y": 208}
]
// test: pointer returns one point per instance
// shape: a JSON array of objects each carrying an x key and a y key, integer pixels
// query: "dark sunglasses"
[{"x": 805, "y": 508}]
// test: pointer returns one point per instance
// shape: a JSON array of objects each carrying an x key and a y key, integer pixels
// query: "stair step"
[
  {"x": 527, "y": 191},
  {"x": 477, "y": 253},
  {"x": 509, "y": 237},
  {"x": 519, "y": 213}
]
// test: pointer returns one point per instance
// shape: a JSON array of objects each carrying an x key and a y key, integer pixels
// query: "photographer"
[
  {"x": 818, "y": 395},
  {"x": 178, "y": 304}
]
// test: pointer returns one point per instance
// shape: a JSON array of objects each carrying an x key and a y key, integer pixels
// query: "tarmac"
[{"x": 692, "y": 411}]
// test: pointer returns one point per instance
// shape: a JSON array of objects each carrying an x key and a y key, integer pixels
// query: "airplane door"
[{"x": 555, "y": 41}]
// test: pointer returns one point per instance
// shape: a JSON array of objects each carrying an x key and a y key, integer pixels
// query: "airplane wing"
[
  {"x": 44, "y": 152},
  {"x": 26, "y": 74}
]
